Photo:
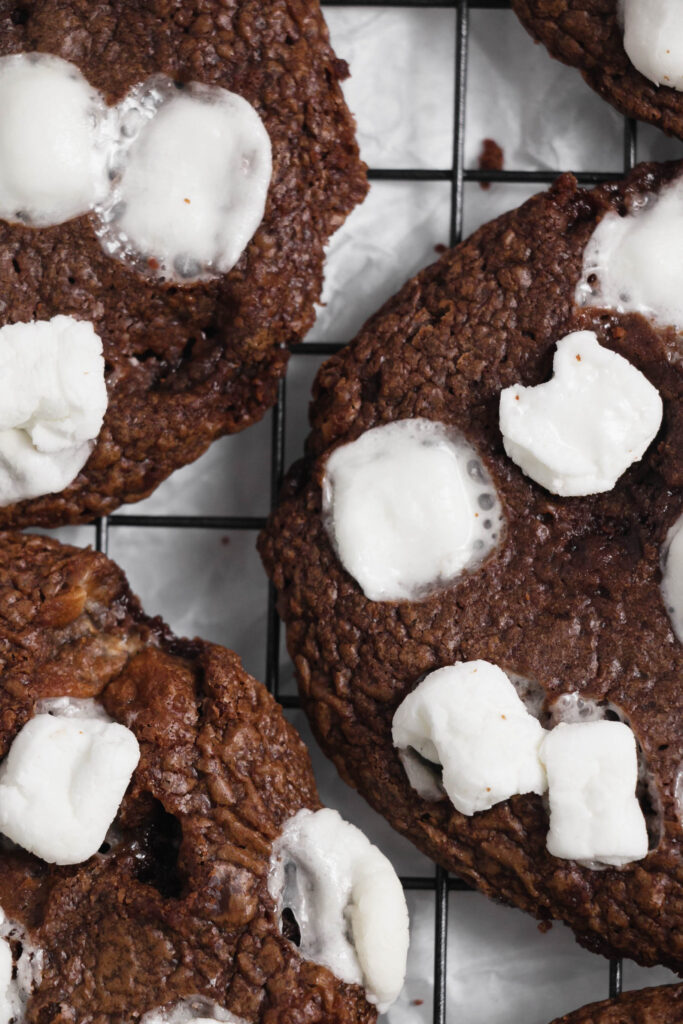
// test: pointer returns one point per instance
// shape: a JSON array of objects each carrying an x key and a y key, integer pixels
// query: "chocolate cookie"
[
  {"x": 186, "y": 362},
  {"x": 662, "y": 1005},
  {"x": 568, "y": 600},
  {"x": 587, "y": 35},
  {"x": 177, "y": 912}
]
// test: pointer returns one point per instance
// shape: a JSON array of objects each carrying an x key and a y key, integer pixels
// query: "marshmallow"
[
  {"x": 61, "y": 785},
  {"x": 409, "y": 506},
  {"x": 53, "y": 153},
  {"x": 191, "y": 175},
  {"x": 18, "y": 978},
  {"x": 633, "y": 264},
  {"x": 592, "y": 772},
  {"x": 52, "y": 403},
  {"x": 193, "y": 1010},
  {"x": 469, "y": 718},
  {"x": 653, "y": 39},
  {"x": 672, "y": 576},
  {"x": 577, "y": 433},
  {"x": 347, "y": 901}
]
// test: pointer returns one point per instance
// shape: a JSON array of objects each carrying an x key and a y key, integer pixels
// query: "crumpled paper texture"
[{"x": 501, "y": 969}]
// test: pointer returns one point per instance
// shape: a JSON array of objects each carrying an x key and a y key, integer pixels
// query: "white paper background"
[{"x": 501, "y": 969}]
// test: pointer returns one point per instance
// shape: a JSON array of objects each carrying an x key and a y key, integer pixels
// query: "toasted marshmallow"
[
  {"x": 409, "y": 506},
  {"x": 577, "y": 433},
  {"x": 52, "y": 403},
  {"x": 672, "y": 576},
  {"x": 19, "y": 975},
  {"x": 347, "y": 901},
  {"x": 653, "y": 39},
  {"x": 191, "y": 175},
  {"x": 62, "y": 782},
  {"x": 53, "y": 148},
  {"x": 592, "y": 774},
  {"x": 469, "y": 719},
  {"x": 633, "y": 264}
]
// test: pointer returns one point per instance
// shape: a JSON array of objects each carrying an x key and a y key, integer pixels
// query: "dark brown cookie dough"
[
  {"x": 662, "y": 1005},
  {"x": 186, "y": 364},
  {"x": 586, "y": 35},
  {"x": 179, "y": 906},
  {"x": 570, "y": 599}
]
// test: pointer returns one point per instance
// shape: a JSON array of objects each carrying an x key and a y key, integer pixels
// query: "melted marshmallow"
[
  {"x": 672, "y": 576},
  {"x": 592, "y": 776},
  {"x": 347, "y": 901},
  {"x": 409, "y": 506},
  {"x": 653, "y": 39},
  {"x": 469, "y": 718},
  {"x": 191, "y": 175},
  {"x": 20, "y": 973},
  {"x": 577, "y": 433},
  {"x": 62, "y": 782},
  {"x": 52, "y": 141},
  {"x": 193, "y": 1010},
  {"x": 52, "y": 402},
  {"x": 633, "y": 264}
]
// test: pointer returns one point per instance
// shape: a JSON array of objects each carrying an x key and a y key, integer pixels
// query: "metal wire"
[{"x": 440, "y": 883}]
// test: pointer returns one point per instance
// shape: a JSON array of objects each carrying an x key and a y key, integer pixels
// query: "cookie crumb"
[{"x": 491, "y": 158}]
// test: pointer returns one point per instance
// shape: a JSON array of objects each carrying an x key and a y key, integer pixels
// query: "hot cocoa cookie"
[
  {"x": 209, "y": 156},
  {"x": 414, "y": 536},
  {"x": 662, "y": 1005},
  {"x": 589, "y": 35},
  {"x": 174, "y": 822}
]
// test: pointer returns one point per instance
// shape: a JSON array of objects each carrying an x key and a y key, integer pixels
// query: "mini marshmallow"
[
  {"x": 672, "y": 576},
  {"x": 19, "y": 978},
  {"x": 53, "y": 398},
  {"x": 61, "y": 785},
  {"x": 653, "y": 39},
  {"x": 577, "y": 433},
  {"x": 592, "y": 772},
  {"x": 347, "y": 901},
  {"x": 469, "y": 718},
  {"x": 192, "y": 172},
  {"x": 193, "y": 1010},
  {"x": 7, "y": 1007},
  {"x": 53, "y": 159},
  {"x": 633, "y": 264},
  {"x": 409, "y": 506}
]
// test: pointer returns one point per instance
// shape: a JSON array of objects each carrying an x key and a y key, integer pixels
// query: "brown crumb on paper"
[{"x": 491, "y": 158}]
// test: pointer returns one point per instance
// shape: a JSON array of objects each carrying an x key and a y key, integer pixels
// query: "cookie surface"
[
  {"x": 570, "y": 599},
  {"x": 662, "y": 1005},
  {"x": 587, "y": 35},
  {"x": 187, "y": 363},
  {"x": 176, "y": 904}
]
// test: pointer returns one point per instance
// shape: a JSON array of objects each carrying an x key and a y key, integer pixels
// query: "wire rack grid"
[{"x": 440, "y": 882}]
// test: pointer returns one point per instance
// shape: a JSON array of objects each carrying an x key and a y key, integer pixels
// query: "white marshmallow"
[
  {"x": 653, "y": 39},
  {"x": 409, "y": 506},
  {"x": 633, "y": 264},
  {"x": 52, "y": 403},
  {"x": 17, "y": 979},
  {"x": 592, "y": 774},
  {"x": 61, "y": 785},
  {"x": 577, "y": 433},
  {"x": 193, "y": 169},
  {"x": 53, "y": 152},
  {"x": 672, "y": 576},
  {"x": 469, "y": 718},
  {"x": 347, "y": 901},
  {"x": 193, "y": 1010}
]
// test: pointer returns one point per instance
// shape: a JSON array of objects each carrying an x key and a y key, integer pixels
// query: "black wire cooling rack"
[{"x": 440, "y": 883}]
